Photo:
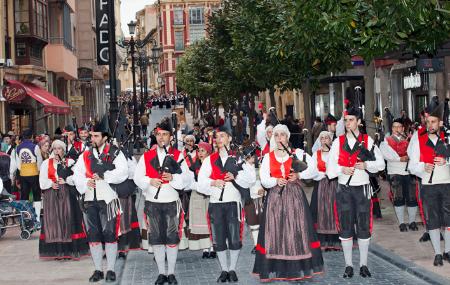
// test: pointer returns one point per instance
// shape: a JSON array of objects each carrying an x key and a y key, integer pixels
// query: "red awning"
[{"x": 15, "y": 92}]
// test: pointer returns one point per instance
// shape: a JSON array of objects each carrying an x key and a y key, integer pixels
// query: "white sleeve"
[
  {"x": 261, "y": 133},
  {"x": 310, "y": 171},
  {"x": 415, "y": 166},
  {"x": 411, "y": 146},
  {"x": 333, "y": 168},
  {"x": 132, "y": 163},
  {"x": 69, "y": 179},
  {"x": 120, "y": 173},
  {"x": 246, "y": 178},
  {"x": 44, "y": 182},
  {"x": 264, "y": 173},
  {"x": 37, "y": 151},
  {"x": 12, "y": 166},
  {"x": 179, "y": 180},
  {"x": 140, "y": 178},
  {"x": 204, "y": 182},
  {"x": 388, "y": 153},
  {"x": 378, "y": 164},
  {"x": 79, "y": 176},
  {"x": 340, "y": 127}
]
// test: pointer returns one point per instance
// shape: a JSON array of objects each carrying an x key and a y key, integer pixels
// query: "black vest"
[{"x": 5, "y": 163}]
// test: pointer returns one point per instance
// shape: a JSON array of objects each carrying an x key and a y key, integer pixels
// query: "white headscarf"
[
  {"x": 280, "y": 128},
  {"x": 324, "y": 134},
  {"x": 55, "y": 144}
]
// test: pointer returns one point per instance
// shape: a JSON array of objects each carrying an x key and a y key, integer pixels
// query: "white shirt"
[
  {"x": 360, "y": 177},
  {"x": 46, "y": 183},
  {"x": 264, "y": 171},
  {"x": 394, "y": 165},
  {"x": 245, "y": 178},
  {"x": 167, "y": 192}
]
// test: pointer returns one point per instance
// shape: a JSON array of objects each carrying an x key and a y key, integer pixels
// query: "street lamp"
[
  {"x": 132, "y": 27},
  {"x": 132, "y": 44}
]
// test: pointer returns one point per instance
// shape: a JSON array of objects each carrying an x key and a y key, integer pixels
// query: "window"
[
  {"x": 36, "y": 51},
  {"x": 22, "y": 17},
  {"x": 179, "y": 40},
  {"x": 67, "y": 27},
  {"x": 196, "y": 16},
  {"x": 21, "y": 50},
  {"x": 178, "y": 16},
  {"x": 196, "y": 33}
]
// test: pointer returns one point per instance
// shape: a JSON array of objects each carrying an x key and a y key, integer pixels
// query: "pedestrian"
[
  {"x": 316, "y": 129},
  {"x": 402, "y": 183},
  {"x": 288, "y": 248},
  {"x": 428, "y": 155},
  {"x": 222, "y": 183},
  {"x": 94, "y": 173},
  {"x": 44, "y": 147},
  {"x": 29, "y": 161},
  {"x": 144, "y": 123},
  {"x": 350, "y": 160},
  {"x": 163, "y": 206},
  {"x": 324, "y": 197},
  {"x": 62, "y": 233}
]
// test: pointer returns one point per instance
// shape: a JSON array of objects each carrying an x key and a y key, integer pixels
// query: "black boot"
[
  {"x": 110, "y": 276},
  {"x": 205, "y": 255},
  {"x": 446, "y": 256},
  {"x": 364, "y": 272},
  {"x": 223, "y": 277},
  {"x": 438, "y": 260},
  {"x": 122, "y": 255},
  {"x": 171, "y": 279},
  {"x": 212, "y": 254},
  {"x": 232, "y": 277},
  {"x": 425, "y": 237},
  {"x": 161, "y": 279},
  {"x": 348, "y": 272},
  {"x": 413, "y": 227},
  {"x": 97, "y": 276},
  {"x": 403, "y": 227},
  {"x": 254, "y": 250}
]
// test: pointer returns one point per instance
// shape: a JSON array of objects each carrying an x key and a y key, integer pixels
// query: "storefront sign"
[
  {"x": 430, "y": 65},
  {"x": 76, "y": 101},
  {"x": 102, "y": 30},
  {"x": 412, "y": 81},
  {"x": 14, "y": 93},
  {"x": 85, "y": 74}
]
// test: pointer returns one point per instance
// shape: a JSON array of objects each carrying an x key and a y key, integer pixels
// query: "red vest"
[
  {"x": 152, "y": 153},
  {"x": 87, "y": 161},
  {"x": 78, "y": 145},
  {"x": 266, "y": 149},
  {"x": 400, "y": 147},
  {"x": 321, "y": 166},
  {"x": 216, "y": 173},
  {"x": 347, "y": 159},
  {"x": 51, "y": 171},
  {"x": 427, "y": 153},
  {"x": 188, "y": 162},
  {"x": 275, "y": 166}
]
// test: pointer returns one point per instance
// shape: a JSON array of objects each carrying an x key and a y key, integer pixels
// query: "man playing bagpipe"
[
  {"x": 428, "y": 160},
  {"x": 75, "y": 147},
  {"x": 403, "y": 185},
  {"x": 96, "y": 173},
  {"x": 160, "y": 175},
  {"x": 351, "y": 160},
  {"x": 226, "y": 183}
]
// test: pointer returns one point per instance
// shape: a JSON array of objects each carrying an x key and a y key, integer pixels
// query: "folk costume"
[
  {"x": 435, "y": 186},
  {"x": 101, "y": 204},
  {"x": 403, "y": 184},
  {"x": 354, "y": 192},
  {"x": 288, "y": 247},
  {"x": 323, "y": 199},
  {"x": 62, "y": 233},
  {"x": 225, "y": 210},
  {"x": 163, "y": 209}
]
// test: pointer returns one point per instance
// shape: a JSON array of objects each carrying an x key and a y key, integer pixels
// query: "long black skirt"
[
  {"x": 289, "y": 269},
  {"x": 131, "y": 240}
]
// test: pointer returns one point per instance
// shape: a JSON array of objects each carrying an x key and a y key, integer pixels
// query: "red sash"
[
  {"x": 321, "y": 166},
  {"x": 51, "y": 170},
  {"x": 275, "y": 166},
  {"x": 188, "y": 162},
  {"x": 87, "y": 161},
  {"x": 400, "y": 147},
  {"x": 150, "y": 155},
  {"x": 216, "y": 173},
  {"x": 347, "y": 159},
  {"x": 427, "y": 153}
]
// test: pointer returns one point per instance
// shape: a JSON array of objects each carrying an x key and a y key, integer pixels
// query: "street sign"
[
  {"x": 102, "y": 30},
  {"x": 430, "y": 64},
  {"x": 76, "y": 101}
]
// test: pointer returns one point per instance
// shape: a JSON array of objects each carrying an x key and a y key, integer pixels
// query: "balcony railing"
[{"x": 62, "y": 41}]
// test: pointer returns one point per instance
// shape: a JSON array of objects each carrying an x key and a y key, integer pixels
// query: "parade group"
[{"x": 86, "y": 185}]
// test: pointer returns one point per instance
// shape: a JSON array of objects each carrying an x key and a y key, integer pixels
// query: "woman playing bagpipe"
[
  {"x": 62, "y": 234},
  {"x": 324, "y": 197},
  {"x": 198, "y": 232},
  {"x": 288, "y": 247},
  {"x": 160, "y": 175},
  {"x": 227, "y": 184}
]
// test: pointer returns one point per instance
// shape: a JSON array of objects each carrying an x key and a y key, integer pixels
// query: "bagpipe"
[
  {"x": 363, "y": 155},
  {"x": 169, "y": 165}
]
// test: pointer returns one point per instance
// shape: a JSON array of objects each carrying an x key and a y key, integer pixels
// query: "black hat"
[
  {"x": 330, "y": 119},
  {"x": 435, "y": 108},
  {"x": 102, "y": 126},
  {"x": 353, "y": 111},
  {"x": 249, "y": 150},
  {"x": 69, "y": 128},
  {"x": 224, "y": 129},
  {"x": 83, "y": 127},
  {"x": 58, "y": 131},
  {"x": 27, "y": 133},
  {"x": 166, "y": 125},
  {"x": 399, "y": 120}
]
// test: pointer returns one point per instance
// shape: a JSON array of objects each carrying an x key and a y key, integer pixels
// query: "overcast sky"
[{"x": 128, "y": 9}]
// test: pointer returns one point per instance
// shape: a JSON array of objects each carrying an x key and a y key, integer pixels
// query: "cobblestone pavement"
[{"x": 192, "y": 269}]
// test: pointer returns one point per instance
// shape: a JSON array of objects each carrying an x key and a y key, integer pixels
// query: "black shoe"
[
  {"x": 425, "y": 237},
  {"x": 442, "y": 237},
  {"x": 403, "y": 228},
  {"x": 438, "y": 260},
  {"x": 348, "y": 272},
  {"x": 413, "y": 227},
  {"x": 110, "y": 276},
  {"x": 97, "y": 276},
  {"x": 254, "y": 250},
  {"x": 446, "y": 256},
  {"x": 232, "y": 277},
  {"x": 171, "y": 279},
  {"x": 223, "y": 277},
  {"x": 364, "y": 272},
  {"x": 205, "y": 255},
  {"x": 161, "y": 279},
  {"x": 122, "y": 255},
  {"x": 212, "y": 254}
]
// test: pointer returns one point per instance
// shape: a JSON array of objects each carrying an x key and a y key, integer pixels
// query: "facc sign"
[
  {"x": 102, "y": 23},
  {"x": 412, "y": 81}
]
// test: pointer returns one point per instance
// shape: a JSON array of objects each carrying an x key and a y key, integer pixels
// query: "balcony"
[{"x": 61, "y": 58}]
